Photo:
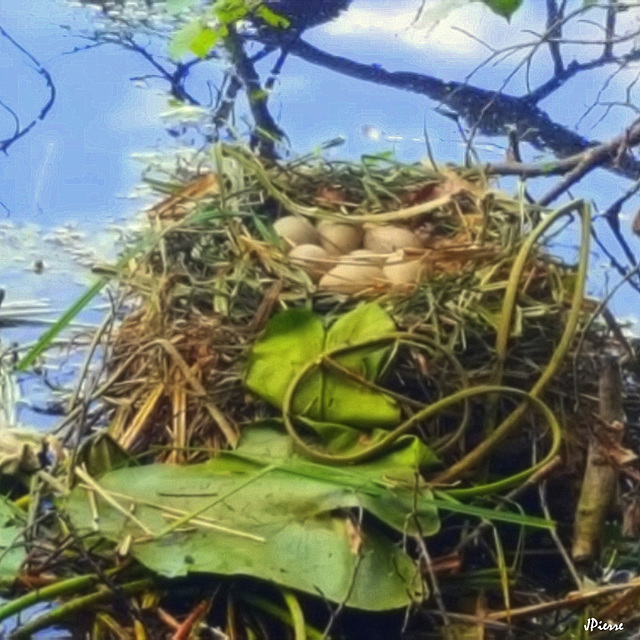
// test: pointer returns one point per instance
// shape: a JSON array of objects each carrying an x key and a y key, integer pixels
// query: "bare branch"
[
  {"x": 614, "y": 262},
  {"x": 499, "y": 113},
  {"x": 603, "y": 154},
  {"x": 20, "y": 132},
  {"x": 267, "y": 132},
  {"x": 554, "y": 28},
  {"x": 610, "y": 29},
  {"x": 175, "y": 78}
]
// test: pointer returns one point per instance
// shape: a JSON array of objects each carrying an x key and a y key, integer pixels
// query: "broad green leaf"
[
  {"x": 504, "y": 8},
  {"x": 275, "y": 524},
  {"x": 291, "y": 340},
  {"x": 409, "y": 453},
  {"x": 265, "y": 443},
  {"x": 367, "y": 322},
  {"x": 12, "y": 550},
  {"x": 194, "y": 37},
  {"x": 405, "y": 457},
  {"x": 386, "y": 486},
  {"x": 296, "y": 338}
]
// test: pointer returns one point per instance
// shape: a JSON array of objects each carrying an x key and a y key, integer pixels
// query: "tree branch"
[
  {"x": 603, "y": 154},
  {"x": 175, "y": 79},
  {"x": 267, "y": 132},
  {"x": 554, "y": 28},
  {"x": 42, "y": 71},
  {"x": 499, "y": 112}
]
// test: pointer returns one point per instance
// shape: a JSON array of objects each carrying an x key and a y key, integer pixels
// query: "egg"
[
  {"x": 349, "y": 277},
  {"x": 388, "y": 239},
  {"x": 312, "y": 258},
  {"x": 399, "y": 270},
  {"x": 338, "y": 238},
  {"x": 296, "y": 231}
]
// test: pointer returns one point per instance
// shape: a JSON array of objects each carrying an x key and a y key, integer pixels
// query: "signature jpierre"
[{"x": 593, "y": 624}]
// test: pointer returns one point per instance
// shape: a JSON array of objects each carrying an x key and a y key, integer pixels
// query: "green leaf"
[
  {"x": 265, "y": 442},
  {"x": 290, "y": 340},
  {"x": 367, "y": 322},
  {"x": 205, "y": 41},
  {"x": 296, "y": 338},
  {"x": 504, "y": 8},
  {"x": 274, "y": 524},
  {"x": 12, "y": 550},
  {"x": 194, "y": 37},
  {"x": 406, "y": 456},
  {"x": 386, "y": 487},
  {"x": 272, "y": 18},
  {"x": 182, "y": 38},
  {"x": 230, "y": 11}
]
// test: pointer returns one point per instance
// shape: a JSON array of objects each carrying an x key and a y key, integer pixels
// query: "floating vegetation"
[{"x": 330, "y": 389}]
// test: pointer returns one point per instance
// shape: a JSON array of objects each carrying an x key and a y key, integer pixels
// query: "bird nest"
[{"x": 456, "y": 266}]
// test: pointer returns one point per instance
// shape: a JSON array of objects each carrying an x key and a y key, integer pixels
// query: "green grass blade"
[{"x": 54, "y": 330}]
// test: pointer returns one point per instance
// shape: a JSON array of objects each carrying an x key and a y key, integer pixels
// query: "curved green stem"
[
  {"x": 384, "y": 444},
  {"x": 515, "y": 277},
  {"x": 482, "y": 451},
  {"x": 428, "y": 412},
  {"x": 419, "y": 342},
  {"x": 279, "y": 613},
  {"x": 297, "y": 615}
]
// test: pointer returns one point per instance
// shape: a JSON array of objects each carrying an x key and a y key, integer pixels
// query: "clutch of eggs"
[{"x": 344, "y": 257}]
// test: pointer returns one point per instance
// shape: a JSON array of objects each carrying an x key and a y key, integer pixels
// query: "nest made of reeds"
[{"x": 231, "y": 248}]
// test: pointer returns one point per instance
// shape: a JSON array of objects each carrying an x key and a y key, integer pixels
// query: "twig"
[
  {"x": 610, "y": 29},
  {"x": 87, "y": 479},
  {"x": 19, "y": 133},
  {"x": 595, "y": 157}
]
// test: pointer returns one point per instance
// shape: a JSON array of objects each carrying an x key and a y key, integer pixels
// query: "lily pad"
[
  {"x": 283, "y": 522},
  {"x": 296, "y": 338}
]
